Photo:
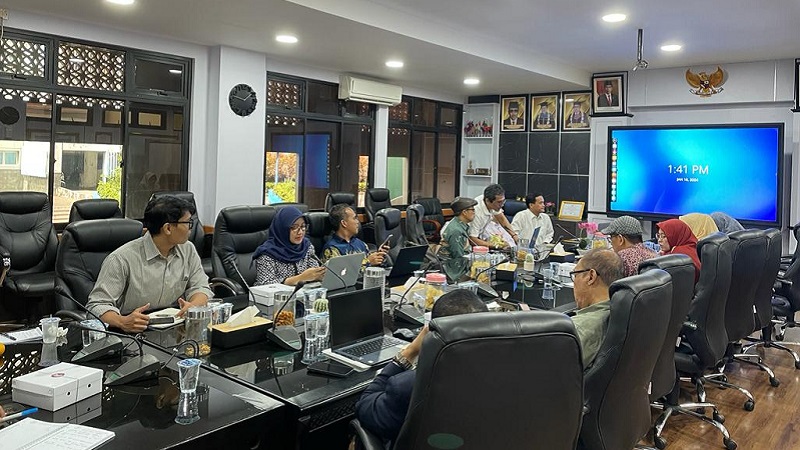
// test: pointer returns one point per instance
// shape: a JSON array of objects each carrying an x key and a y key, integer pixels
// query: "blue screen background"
[{"x": 742, "y": 177}]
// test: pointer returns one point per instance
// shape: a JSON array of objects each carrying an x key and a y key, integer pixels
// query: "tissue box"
[
  {"x": 562, "y": 257},
  {"x": 226, "y": 336},
  {"x": 265, "y": 294},
  {"x": 57, "y": 386},
  {"x": 505, "y": 272}
]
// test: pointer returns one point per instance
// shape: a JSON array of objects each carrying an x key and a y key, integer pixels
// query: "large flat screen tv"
[{"x": 657, "y": 172}]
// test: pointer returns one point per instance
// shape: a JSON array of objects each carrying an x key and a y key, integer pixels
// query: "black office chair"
[
  {"x": 764, "y": 294},
  {"x": 388, "y": 222},
  {"x": 618, "y": 407},
  {"x": 665, "y": 389},
  {"x": 335, "y": 198},
  {"x": 749, "y": 255},
  {"x": 412, "y": 226},
  {"x": 28, "y": 246},
  {"x": 301, "y": 206},
  {"x": 94, "y": 208},
  {"x": 83, "y": 248},
  {"x": 375, "y": 200},
  {"x": 532, "y": 407},
  {"x": 238, "y": 232},
  {"x": 319, "y": 229},
  {"x": 512, "y": 207},
  {"x": 786, "y": 303},
  {"x": 703, "y": 337},
  {"x": 197, "y": 235},
  {"x": 433, "y": 219}
]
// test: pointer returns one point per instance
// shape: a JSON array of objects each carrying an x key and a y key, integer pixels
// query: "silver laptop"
[
  {"x": 356, "y": 327},
  {"x": 347, "y": 267}
]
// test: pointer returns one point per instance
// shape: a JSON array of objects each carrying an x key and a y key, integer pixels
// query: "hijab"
[
  {"x": 278, "y": 246},
  {"x": 701, "y": 224},
  {"x": 726, "y": 223},
  {"x": 681, "y": 240}
]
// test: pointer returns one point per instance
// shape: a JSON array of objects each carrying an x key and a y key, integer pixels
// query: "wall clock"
[{"x": 242, "y": 100}]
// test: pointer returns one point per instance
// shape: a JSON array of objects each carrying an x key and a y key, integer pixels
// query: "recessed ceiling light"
[
  {"x": 613, "y": 18},
  {"x": 394, "y": 63},
  {"x": 471, "y": 81},
  {"x": 175, "y": 71},
  {"x": 286, "y": 38},
  {"x": 671, "y": 47},
  {"x": 121, "y": 2}
]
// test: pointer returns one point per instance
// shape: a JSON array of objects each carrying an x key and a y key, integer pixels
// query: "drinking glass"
[
  {"x": 311, "y": 350},
  {"x": 49, "y": 329},
  {"x": 188, "y": 374},
  {"x": 89, "y": 336}
]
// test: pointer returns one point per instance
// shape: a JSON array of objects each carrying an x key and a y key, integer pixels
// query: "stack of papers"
[
  {"x": 18, "y": 337},
  {"x": 32, "y": 434}
]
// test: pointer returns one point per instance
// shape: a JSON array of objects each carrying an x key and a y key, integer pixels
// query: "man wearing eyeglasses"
[
  {"x": 592, "y": 276},
  {"x": 489, "y": 210},
  {"x": 152, "y": 271}
]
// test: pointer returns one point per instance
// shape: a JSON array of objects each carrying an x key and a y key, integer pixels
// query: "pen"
[
  {"x": 19, "y": 415},
  {"x": 8, "y": 336}
]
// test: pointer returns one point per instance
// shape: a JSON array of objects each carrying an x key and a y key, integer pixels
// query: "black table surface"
[{"x": 142, "y": 414}]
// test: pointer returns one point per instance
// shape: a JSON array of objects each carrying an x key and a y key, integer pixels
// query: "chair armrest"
[
  {"x": 70, "y": 314},
  {"x": 227, "y": 285},
  {"x": 364, "y": 439},
  {"x": 436, "y": 224}
]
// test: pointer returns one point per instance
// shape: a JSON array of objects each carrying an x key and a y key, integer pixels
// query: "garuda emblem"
[{"x": 705, "y": 84}]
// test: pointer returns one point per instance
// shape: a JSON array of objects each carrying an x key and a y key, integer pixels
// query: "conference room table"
[{"x": 142, "y": 413}]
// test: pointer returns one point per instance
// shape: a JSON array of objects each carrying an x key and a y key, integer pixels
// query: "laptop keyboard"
[{"x": 368, "y": 347}]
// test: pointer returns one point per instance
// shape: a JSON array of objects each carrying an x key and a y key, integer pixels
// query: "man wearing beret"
[
  {"x": 626, "y": 238},
  {"x": 455, "y": 233}
]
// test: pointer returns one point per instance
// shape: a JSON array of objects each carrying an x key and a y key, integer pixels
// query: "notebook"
[
  {"x": 348, "y": 267},
  {"x": 32, "y": 434},
  {"x": 356, "y": 327},
  {"x": 408, "y": 260}
]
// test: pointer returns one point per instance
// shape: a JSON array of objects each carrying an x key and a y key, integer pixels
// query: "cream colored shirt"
[
  {"x": 525, "y": 222},
  {"x": 136, "y": 274}
]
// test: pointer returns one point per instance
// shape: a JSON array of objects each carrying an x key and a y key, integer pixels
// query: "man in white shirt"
[
  {"x": 526, "y": 221},
  {"x": 489, "y": 209}
]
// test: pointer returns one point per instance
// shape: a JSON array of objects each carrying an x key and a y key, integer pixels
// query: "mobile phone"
[
  {"x": 330, "y": 368},
  {"x": 385, "y": 242},
  {"x": 161, "y": 320}
]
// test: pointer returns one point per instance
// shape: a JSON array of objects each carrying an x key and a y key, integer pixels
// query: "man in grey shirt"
[
  {"x": 592, "y": 276},
  {"x": 154, "y": 270}
]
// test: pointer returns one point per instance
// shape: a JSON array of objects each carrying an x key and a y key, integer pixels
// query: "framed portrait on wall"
[
  {"x": 577, "y": 106},
  {"x": 513, "y": 113},
  {"x": 608, "y": 93},
  {"x": 544, "y": 112}
]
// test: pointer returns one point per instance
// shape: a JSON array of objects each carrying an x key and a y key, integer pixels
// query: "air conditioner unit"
[{"x": 361, "y": 90}]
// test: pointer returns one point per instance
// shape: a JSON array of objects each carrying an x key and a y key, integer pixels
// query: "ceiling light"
[
  {"x": 471, "y": 81},
  {"x": 286, "y": 38},
  {"x": 613, "y": 18},
  {"x": 175, "y": 71},
  {"x": 671, "y": 47},
  {"x": 121, "y": 2},
  {"x": 394, "y": 64}
]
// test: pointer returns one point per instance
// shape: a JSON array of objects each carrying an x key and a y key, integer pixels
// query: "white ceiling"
[{"x": 513, "y": 46}]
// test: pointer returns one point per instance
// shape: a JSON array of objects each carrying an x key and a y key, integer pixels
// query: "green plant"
[{"x": 111, "y": 187}]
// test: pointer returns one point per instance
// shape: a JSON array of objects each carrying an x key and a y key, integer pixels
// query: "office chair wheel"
[
  {"x": 660, "y": 442},
  {"x": 723, "y": 378},
  {"x": 730, "y": 444},
  {"x": 774, "y": 381},
  {"x": 749, "y": 405},
  {"x": 719, "y": 417}
]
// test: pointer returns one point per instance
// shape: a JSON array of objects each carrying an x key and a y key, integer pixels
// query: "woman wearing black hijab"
[{"x": 287, "y": 256}]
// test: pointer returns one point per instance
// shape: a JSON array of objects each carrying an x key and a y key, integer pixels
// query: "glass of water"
[
  {"x": 188, "y": 374},
  {"x": 89, "y": 336},
  {"x": 49, "y": 329}
]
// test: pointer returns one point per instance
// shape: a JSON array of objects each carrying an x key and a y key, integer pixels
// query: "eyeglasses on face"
[
  {"x": 190, "y": 223},
  {"x": 298, "y": 228},
  {"x": 661, "y": 235},
  {"x": 575, "y": 272}
]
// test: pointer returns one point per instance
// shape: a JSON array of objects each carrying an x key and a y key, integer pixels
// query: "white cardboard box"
[
  {"x": 55, "y": 387},
  {"x": 265, "y": 294}
]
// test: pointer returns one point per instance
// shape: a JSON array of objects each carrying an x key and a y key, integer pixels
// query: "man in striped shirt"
[{"x": 626, "y": 238}]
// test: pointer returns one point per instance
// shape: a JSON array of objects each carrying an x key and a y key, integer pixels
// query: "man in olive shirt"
[
  {"x": 154, "y": 270},
  {"x": 592, "y": 276},
  {"x": 455, "y": 234}
]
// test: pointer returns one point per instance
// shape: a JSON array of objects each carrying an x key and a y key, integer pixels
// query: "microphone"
[
  {"x": 409, "y": 313},
  {"x": 328, "y": 269},
  {"x": 101, "y": 348},
  {"x": 285, "y": 336},
  {"x": 231, "y": 260},
  {"x": 568, "y": 232},
  {"x": 134, "y": 368}
]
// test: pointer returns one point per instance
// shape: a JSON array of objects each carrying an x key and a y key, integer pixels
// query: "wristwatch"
[{"x": 402, "y": 361}]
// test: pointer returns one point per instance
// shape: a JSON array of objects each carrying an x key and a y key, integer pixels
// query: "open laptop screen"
[{"x": 355, "y": 315}]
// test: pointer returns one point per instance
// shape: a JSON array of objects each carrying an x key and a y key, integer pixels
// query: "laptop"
[
  {"x": 356, "y": 327},
  {"x": 348, "y": 267},
  {"x": 408, "y": 260},
  {"x": 535, "y": 236}
]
